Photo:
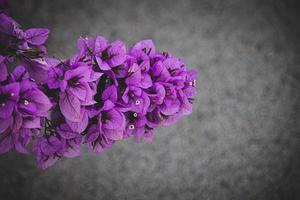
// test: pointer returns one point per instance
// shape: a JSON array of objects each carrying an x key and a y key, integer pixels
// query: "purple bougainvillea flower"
[
  {"x": 96, "y": 141},
  {"x": 142, "y": 53},
  {"x": 107, "y": 54},
  {"x": 148, "y": 135},
  {"x": 33, "y": 102},
  {"x": 66, "y": 132},
  {"x": 21, "y": 139},
  {"x": 171, "y": 103},
  {"x": 110, "y": 93},
  {"x": 36, "y": 36},
  {"x": 186, "y": 105},
  {"x": 111, "y": 120},
  {"x": 112, "y": 123},
  {"x": 146, "y": 80},
  {"x": 134, "y": 77},
  {"x": 55, "y": 74},
  {"x": 72, "y": 147},
  {"x": 190, "y": 84},
  {"x": 12, "y": 140},
  {"x": 70, "y": 107},
  {"x": 139, "y": 56},
  {"x": 176, "y": 70},
  {"x": 19, "y": 74},
  {"x": 136, "y": 99},
  {"x": 147, "y": 46},
  {"x": 79, "y": 127},
  {"x": 126, "y": 68},
  {"x": 9, "y": 95},
  {"x": 156, "y": 94},
  {"x": 186, "y": 96},
  {"x": 9, "y": 28},
  {"x": 23, "y": 105},
  {"x": 101, "y": 94},
  {"x": 159, "y": 72},
  {"x": 154, "y": 118},
  {"x": 31, "y": 122},
  {"x": 11, "y": 136},
  {"x": 37, "y": 68},
  {"x": 12, "y": 36},
  {"x": 85, "y": 45},
  {"x": 55, "y": 78},
  {"x": 71, "y": 141},
  {"x": 76, "y": 82},
  {"x": 135, "y": 125},
  {"x": 76, "y": 92},
  {"x": 47, "y": 150}
]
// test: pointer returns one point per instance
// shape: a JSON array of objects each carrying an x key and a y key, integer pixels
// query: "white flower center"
[
  {"x": 131, "y": 126},
  {"x": 26, "y": 102},
  {"x": 137, "y": 102}
]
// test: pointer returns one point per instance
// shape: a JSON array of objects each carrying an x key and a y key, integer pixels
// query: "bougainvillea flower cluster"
[{"x": 102, "y": 94}]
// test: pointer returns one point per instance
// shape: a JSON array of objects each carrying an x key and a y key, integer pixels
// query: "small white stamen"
[
  {"x": 42, "y": 61},
  {"x": 131, "y": 126},
  {"x": 192, "y": 83},
  {"x": 131, "y": 69},
  {"x": 25, "y": 102},
  {"x": 135, "y": 114},
  {"x": 12, "y": 94},
  {"x": 137, "y": 102}
]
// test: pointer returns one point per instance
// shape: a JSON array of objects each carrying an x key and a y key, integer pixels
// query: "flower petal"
[
  {"x": 170, "y": 106},
  {"x": 114, "y": 134},
  {"x": 102, "y": 65},
  {"x": 5, "y": 123},
  {"x": 134, "y": 78},
  {"x": 36, "y": 36},
  {"x": 115, "y": 120},
  {"x": 146, "y": 45},
  {"x": 66, "y": 132},
  {"x": 73, "y": 149},
  {"x": 146, "y": 81},
  {"x": 6, "y": 109},
  {"x": 79, "y": 127},
  {"x": 110, "y": 93},
  {"x": 70, "y": 107},
  {"x": 6, "y": 142},
  {"x": 100, "y": 44},
  {"x": 92, "y": 134},
  {"x": 30, "y": 122},
  {"x": 79, "y": 91}
]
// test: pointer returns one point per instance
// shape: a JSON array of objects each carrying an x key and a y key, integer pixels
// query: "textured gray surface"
[{"x": 242, "y": 140}]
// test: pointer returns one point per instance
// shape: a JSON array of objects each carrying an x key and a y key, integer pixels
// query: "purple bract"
[{"x": 100, "y": 95}]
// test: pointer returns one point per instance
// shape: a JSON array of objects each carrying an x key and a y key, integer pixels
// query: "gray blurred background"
[{"x": 242, "y": 140}]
